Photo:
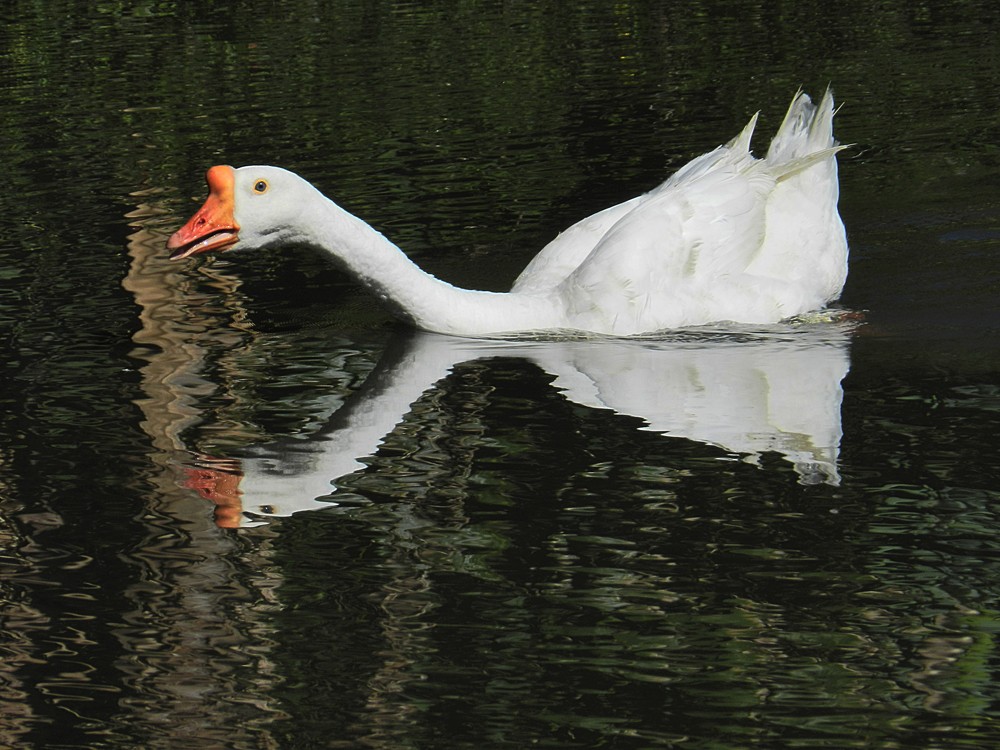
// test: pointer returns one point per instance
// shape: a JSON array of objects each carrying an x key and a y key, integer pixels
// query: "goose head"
[{"x": 246, "y": 208}]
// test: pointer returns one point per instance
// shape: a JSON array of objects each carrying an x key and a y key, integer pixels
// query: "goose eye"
[{"x": 260, "y": 186}]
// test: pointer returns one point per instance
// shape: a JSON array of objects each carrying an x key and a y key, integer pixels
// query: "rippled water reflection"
[
  {"x": 747, "y": 393},
  {"x": 240, "y": 508}
]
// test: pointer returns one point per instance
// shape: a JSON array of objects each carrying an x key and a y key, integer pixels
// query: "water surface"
[{"x": 240, "y": 507}]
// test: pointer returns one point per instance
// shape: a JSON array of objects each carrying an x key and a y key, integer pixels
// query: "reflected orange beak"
[
  {"x": 213, "y": 227},
  {"x": 219, "y": 481}
]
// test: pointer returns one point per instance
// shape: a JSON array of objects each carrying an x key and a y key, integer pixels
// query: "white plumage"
[{"x": 729, "y": 237}]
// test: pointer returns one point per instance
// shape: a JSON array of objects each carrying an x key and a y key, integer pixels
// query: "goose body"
[{"x": 729, "y": 237}]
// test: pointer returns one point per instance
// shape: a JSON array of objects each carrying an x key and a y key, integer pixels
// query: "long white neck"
[{"x": 431, "y": 304}]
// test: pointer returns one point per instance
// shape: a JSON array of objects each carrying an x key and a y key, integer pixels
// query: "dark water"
[{"x": 241, "y": 508}]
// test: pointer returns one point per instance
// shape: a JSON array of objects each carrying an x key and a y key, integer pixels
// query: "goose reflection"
[{"x": 748, "y": 392}]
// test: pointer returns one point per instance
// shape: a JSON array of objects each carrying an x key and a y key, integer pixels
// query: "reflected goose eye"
[{"x": 260, "y": 186}]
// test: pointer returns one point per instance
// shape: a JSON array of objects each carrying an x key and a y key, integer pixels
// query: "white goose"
[{"x": 727, "y": 238}]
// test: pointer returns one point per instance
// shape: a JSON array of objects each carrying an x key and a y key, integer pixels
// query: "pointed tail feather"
[
  {"x": 806, "y": 129},
  {"x": 741, "y": 143},
  {"x": 785, "y": 169}
]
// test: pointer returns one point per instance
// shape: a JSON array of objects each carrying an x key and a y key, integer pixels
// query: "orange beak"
[{"x": 213, "y": 227}]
